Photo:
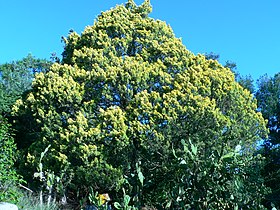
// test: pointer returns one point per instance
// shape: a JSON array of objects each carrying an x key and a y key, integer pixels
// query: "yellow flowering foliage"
[{"x": 128, "y": 91}]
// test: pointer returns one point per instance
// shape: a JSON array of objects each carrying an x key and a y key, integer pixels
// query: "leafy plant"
[
  {"x": 50, "y": 182},
  {"x": 9, "y": 179},
  {"x": 99, "y": 201},
  {"x": 125, "y": 204},
  {"x": 228, "y": 179}
]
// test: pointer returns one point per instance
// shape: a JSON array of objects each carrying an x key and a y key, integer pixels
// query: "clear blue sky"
[{"x": 244, "y": 31}]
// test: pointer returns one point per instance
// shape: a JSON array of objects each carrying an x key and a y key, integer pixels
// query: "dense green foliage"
[
  {"x": 9, "y": 179},
  {"x": 268, "y": 96},
  {"x": 130, "y": 107},
  {"x": 16, "y": 78}
]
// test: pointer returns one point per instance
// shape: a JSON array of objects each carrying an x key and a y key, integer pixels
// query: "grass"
[{"x": 31, "y": 202}]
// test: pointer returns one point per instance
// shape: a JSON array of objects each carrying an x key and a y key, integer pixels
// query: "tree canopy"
[
  {"x": 246, "y": 81},
  {"x": 268, "y": 103},
  {"x": 16, "y": 78},
  {"x": 130, "y": 107}
]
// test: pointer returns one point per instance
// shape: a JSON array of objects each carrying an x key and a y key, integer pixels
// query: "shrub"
[{"x": 9, "y": 179}]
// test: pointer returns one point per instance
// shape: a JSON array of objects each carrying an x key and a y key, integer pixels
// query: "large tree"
[
  {"x": 129, "y": 106},
  {"x": 268, "y": 96}
]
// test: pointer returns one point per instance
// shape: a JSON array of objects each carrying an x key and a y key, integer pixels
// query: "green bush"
[
  {"x": 213, "y": 180},
  {"x": 9, "y": 179}
]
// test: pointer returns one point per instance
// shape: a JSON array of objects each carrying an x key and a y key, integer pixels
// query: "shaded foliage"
[
  {"x": 268, "y": 95},
  {"x": 16, "y": 78},
  {"x": 9, "y": 179}
]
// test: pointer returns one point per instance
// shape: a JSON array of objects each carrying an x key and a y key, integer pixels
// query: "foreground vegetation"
[{"x": 130, "y": 112}]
